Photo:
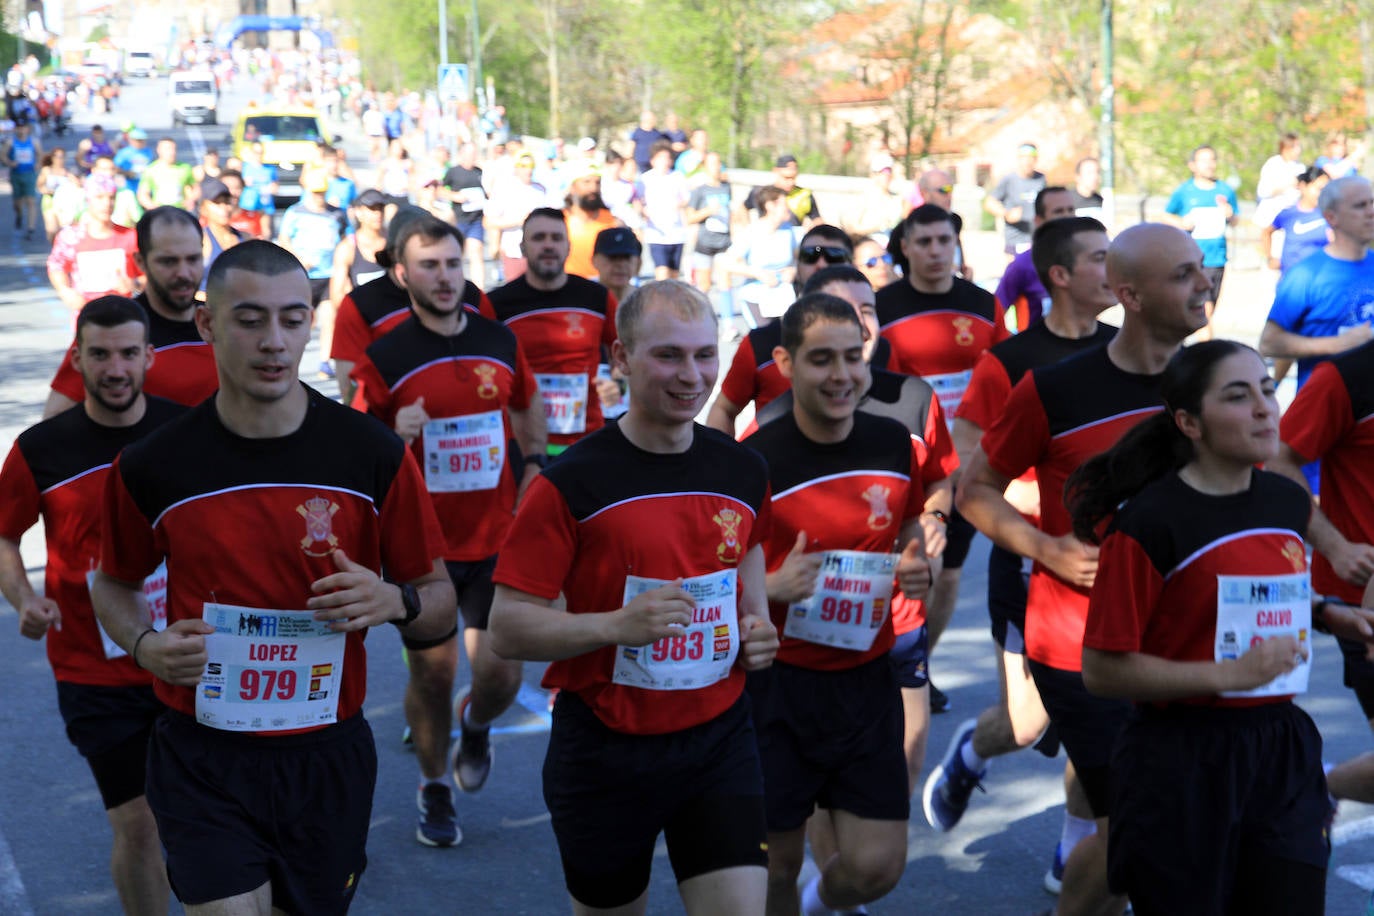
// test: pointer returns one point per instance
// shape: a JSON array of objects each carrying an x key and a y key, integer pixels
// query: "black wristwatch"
[
  {"x": 410, "y": 600},
  {"x": 538, "y": 458},
  {"x": 1319, "y": 612}
]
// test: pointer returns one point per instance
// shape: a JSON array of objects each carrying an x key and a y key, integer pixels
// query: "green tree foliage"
[{"x": 1233, "y": 74}]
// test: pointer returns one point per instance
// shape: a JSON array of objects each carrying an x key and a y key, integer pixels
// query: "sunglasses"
[
  {"x": 871, "y": 263},
  {"x": 943, "y": 189},
  {"x": 832, "y": 254}
]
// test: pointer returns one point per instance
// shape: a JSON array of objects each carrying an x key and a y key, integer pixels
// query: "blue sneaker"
[
  {"x": 438, "y": 821},
  {"x": 948, "y": 788},
  {"x": 1054, "y": 878}
]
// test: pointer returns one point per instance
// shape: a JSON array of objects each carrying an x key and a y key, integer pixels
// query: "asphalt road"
[{"x": 54, "y": 838}]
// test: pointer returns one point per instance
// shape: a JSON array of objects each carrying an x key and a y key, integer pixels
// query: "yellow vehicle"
[{"x": 288, "y": 137}]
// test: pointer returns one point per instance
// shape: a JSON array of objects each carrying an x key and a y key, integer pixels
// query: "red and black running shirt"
[
  {"x": 1002, "y": 366},
  {"x": 480, "y": 370},
  {"x": 607, "y": 509},
  {"x": 374, "y": 308},
  {"x": 183, "y": 368},
  {"x": 1156, "y": 588},
  {"x": 56, "y": 470},
  {"x": 912, "y": 402},
  {"x": 754, "y": 375},
  {"x": 562, "y": 332},
  {"x": 1057, "y": 417},
  {"x": 939, "y": 336},
  {"x": 1332, "y": 419},
  {"x": 239, "y": 520},
  {"x": 850, "y": 495}
]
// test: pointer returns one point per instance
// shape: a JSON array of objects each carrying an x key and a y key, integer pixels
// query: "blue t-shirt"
[
  {"x": 1304, "y": 232},
  {"x": 256, "y": 176},
  {"x": 1321, "y": 297},
  {"x": 314, "y": 236},
  {"x": 134, "y": 162},
  {"x": 1209, "y": 225},
  {"x": 341, "y": 192}
]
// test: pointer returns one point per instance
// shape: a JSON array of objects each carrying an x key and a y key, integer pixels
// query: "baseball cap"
[
  {"x": 317, "y": 182},
  {"x": 616, "y": 241},
  {"x": 576, "y": 171},
  {"x": 404, "y": 215},
  {"x": 524, "y": 159},
  {"x": 784, "y": 161},
  {"x": 138, "y": 133},
  {"x": 214, "y": 189},
  {"x": 371, "y": 198},
  {"x": 586, "y": 144}
]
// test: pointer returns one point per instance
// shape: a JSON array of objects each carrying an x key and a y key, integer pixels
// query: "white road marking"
[{"x": 14, "y": 898}]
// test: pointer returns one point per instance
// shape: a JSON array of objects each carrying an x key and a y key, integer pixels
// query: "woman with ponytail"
[{"x": 1201, "y": 615}]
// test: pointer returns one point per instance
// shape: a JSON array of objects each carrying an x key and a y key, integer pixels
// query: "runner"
[
  {"x": 753, "y": 374},
  {"x": 1071, "y": 257},
  {"x": 1201, "y": 615},
  {"x": 563, "y": 323},
  {"x": 169, "y": 255},
  {"x": 829, "y": 711},
  {"x": 649, "y": 655},
  {"x": 938, "y": 325},
  {"x": 456, "y": 387},
  {"x": 56, "y": 471},
  {"x": 1329, "y": 422},
  {"x": 375, "y": 307},
  {"x": 21, "y": 154},
  {"x": 1056, "y": 417},
  {"x": 93, "y": 257},
  {"x": 265, "y": 802},
  {"x": 912, "y": 402}
]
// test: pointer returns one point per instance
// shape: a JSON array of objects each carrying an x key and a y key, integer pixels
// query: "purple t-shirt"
[{"x": 1021, "y": 287}]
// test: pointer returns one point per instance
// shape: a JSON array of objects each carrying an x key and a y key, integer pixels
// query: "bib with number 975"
[{"x": 465, "y": 453}]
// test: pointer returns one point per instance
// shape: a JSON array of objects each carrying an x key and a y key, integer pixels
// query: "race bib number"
[
  {"x": 154, "y": 592},
  {"x": 269, "y": 670},
  {"x": 97, "y": 271},
  {"x": 1208, "y": 222},
  {"x": 1251, "y": 609},
  {"x": 565, "y": 402},
  {"x": 949, "y": 388},
  {"x": 774, "y": 301},
  {"x": 706, "y": 648},
  {"x": 463, "y": 454},
  {"x": 852, "y": 598}
]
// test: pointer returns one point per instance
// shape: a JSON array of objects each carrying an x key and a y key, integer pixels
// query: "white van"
[
  {"x": 140, "y": 64},
  {"x": 193, "y": 96}
]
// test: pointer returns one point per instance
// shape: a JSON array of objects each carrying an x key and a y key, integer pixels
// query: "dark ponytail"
[{"x": 1150, "y": 449}]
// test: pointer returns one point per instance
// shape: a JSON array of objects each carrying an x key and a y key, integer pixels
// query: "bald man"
[{"x": 1057, "y": 417}]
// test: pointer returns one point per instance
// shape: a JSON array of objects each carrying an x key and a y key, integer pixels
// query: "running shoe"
[
  {"x": 438, "y": 820},
  {"x": 326, "y": 369},
  {"x": 471, "y": 756},
  {"x": 938, "y": 701},
  {"x": 947, "y": 790},
  {"x": 1054, "y": 878}
]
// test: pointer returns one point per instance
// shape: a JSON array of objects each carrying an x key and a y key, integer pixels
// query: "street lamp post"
[{"x": 1106, "y": 136}]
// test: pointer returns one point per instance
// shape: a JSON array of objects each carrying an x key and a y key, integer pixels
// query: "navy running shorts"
[
  {"x": 1211, "y": 806},
  {"x": 830, "y": 739},
  {"x": 1008, "y": 577},
  {"x": 236, "y": 811},
  {"x": 110, "y": 727},
  {"x": 611, "y": 794},
  {"x": 1087, "y": 725},
  {"x": 472, "y": 583},
  {"x": 669, "y": 256},
  {"x": 910, "y": 656}
]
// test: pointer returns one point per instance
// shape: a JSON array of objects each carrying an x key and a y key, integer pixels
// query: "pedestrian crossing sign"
[{"x": 453, "y": 82}]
